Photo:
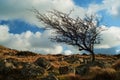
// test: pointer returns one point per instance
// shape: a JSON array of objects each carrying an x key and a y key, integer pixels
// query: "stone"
[
  {"x": 66, "y": 70},
  {"x": 31, "y": 70},
  {"x": 42, "y": 62},
  {"x": 84, "y": 69},
  {"x": 50, "y": 77},
  {"x": 6, "y": 67},
  {"x": 71, "y": 59}
]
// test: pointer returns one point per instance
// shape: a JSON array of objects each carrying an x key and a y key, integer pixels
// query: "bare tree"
[{"x": 82, "y": 33}]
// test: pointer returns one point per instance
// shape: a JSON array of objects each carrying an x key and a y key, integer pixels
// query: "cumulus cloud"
[
  {"x": 109, "y": 45},
  {"x": 12, "y": 9},
  {"x": 40, "y": 42},
  {"x": 37, "y": 42},
  {"x": 112, "y": 6},
  {"x": 4, "y": 35},
  {"x": 111, "y": 37},
  {"x": 67, "y": 52}
]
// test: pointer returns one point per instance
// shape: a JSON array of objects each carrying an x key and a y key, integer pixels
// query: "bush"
[
  {"x": 116, "y": 65},
  {"x": 25, "y": 53},
  {"x": 103, "y": 74}
]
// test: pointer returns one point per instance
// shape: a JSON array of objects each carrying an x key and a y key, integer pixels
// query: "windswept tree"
[{"x": 82, "y": 33}]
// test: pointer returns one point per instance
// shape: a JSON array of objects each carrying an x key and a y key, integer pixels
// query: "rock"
[
  {"x": 42, "y": 62},
  {"x": 6, "y": 67},
  {"x": 53, "y": 70},
  {"x": 97, "y": 63},
  {"x": 50, "y": 77},
  {"x": 66, "y": 70},
  {"x": 31, "y": 70},
  {"x": 9, "y": 78},
  {"x": 116, "y": 65},
  {"x": 84, "y": 69},
  {"x": 72, "y": 58}
]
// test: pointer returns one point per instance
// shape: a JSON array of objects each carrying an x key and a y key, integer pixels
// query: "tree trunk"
[{"x": 92, "y": 56}]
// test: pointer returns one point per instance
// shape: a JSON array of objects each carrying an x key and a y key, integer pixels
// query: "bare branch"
[{"x": 82, "y": 33}]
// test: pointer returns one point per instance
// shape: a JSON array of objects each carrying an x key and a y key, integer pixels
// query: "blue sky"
[
  {"x": 21, "y": 30},
  {"x": 86, "y": 3}
]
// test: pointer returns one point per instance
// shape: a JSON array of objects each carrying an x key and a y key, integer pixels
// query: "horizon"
[{"x": 21, "y": 30}]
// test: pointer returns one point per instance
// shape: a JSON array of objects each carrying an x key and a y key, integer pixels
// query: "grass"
[
  {"x": 111, "y": 72},
  {"x": 116, "y": 65}
]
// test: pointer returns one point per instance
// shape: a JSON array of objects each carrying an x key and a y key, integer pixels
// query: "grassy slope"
[{"x": 95, "y": 73}]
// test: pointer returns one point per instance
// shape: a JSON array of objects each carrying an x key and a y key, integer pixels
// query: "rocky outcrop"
[
  {"x": 66, "y": 70},
  {"x": 10, "y": 70},
  {"x": 6, "y": 66},
  {"x": 31, "y": 70},
  {"x": 84, "y": 69},
  {"x": 50, "y": 77},
  {"x": 72, "y": 58},
  {"x": 44, "y": 63}
]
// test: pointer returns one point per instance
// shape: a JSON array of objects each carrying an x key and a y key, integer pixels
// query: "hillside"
[{"x": 25, "y": 65}]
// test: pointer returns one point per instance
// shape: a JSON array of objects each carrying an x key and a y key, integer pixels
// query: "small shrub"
[
  {"x": 104, "y": 74},
  {"x": 116, "y": 65},
  {"x": 25, "y": 53},
  {"x": 70, "y": 77}
]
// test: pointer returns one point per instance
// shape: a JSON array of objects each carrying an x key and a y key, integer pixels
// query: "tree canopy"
[{"x": 82, "y": 33}]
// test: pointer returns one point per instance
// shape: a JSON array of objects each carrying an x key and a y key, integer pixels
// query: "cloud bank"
[
  {"x": 37, "y": 42},
  {"x": 18, "y": 9},
  {"x": 40, "y": 42},
  {"x": 11, "y": 9}
]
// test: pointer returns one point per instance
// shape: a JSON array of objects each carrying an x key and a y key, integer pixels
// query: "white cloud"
[
  {"x": 4, "y": 33},
  {"x": 40, "y": 42},
  {"x": 112, "y": 6},
  {"x": 67, "y": 52},
  {"x": 29, "y": 41},
  {"x": 110, "y": 37},
  {"x": 11, "y": 9},
  {"x": 94, "y": 8}
]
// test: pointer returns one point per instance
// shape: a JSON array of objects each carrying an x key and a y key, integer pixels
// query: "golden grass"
[
  {"x": 116, "y": 65},
  {"x": 98, "y": 73}
]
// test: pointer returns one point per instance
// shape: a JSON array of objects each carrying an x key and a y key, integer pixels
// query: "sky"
[{"x": 21, "y": 30}]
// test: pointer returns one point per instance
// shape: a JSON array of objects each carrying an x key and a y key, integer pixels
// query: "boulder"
[
  {"x": 50, "y": 77},
  {"x": 44, "y": 63},
  {"x": 31, "y": 70},
  {"x": 71, "y": 58},
  {"x": 6, "y": 67},
  {"x": 66, "y": 70},
  {"x": 84, "y": 69}
]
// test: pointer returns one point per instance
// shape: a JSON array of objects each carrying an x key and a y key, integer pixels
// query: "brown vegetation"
[{"x": 25, "y": 65}]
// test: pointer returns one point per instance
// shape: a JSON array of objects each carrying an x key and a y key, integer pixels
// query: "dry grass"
[
  {"x": 116, "y": 65},
  {"x": 111, "y": 72},
  {"x": 58, "y": 64},
  {"x": 70, "y": 77},
  {"x": 98, "y": 73}
]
